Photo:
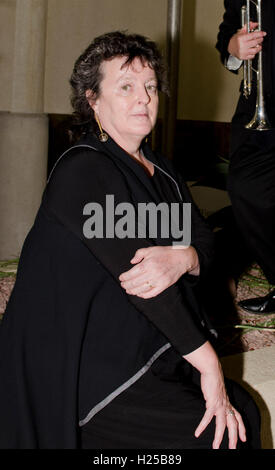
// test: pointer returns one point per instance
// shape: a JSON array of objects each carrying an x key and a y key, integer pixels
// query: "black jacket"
[{"x": 71, "y": 338}]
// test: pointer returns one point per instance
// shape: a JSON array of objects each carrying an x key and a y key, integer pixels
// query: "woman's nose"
[{"x": 143, "y": 95}]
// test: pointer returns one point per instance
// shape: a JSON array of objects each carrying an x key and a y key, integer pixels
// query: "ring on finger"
[{"x": 230, "y": 412}]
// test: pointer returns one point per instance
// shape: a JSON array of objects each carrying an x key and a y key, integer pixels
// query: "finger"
[
  {"x": 153, "y": 291},
  {"x": 243, "y": 29},
  {"x": 252, "y": 25},
  {"x": 136, "y": 259},
  {"x": 139, "y": 284},
  {"x": 149, "y": 293},
  {"x": 134, "y": 279},
  {"x": 232, "y": 426},
  {"x": 219, "y": 432},
  {"x": 255, "y": 42},
  {"x": 206, "y": 419},
  {"x": 254, "y": 36},
  {"x": 252, "y": 28},
  {"x": 142, "y": 285},
  {"x": 241, "y": 426},
  {"x": 145, "y": 292},
  {"x": 255, "y": 50},
  {"x": 140, "y": 290},
  {"x": 250, "y": 57},
  {"x": 130, "y": 274},
  {"x": 140, "y": 254}
]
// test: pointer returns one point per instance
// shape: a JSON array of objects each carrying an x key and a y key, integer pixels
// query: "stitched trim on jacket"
[{"x": 124, "y": 386}]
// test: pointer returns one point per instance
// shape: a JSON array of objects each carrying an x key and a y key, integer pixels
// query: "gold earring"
[{"x": 103, "y": 137}]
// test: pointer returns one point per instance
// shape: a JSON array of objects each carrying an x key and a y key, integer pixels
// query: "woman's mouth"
[{"x": 141, "y": 115}]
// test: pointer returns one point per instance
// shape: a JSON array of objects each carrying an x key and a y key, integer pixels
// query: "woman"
[{"x": 88, "y": 359}]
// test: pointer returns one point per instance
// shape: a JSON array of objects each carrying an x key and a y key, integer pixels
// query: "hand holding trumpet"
[{"x": 244, "y": 45}]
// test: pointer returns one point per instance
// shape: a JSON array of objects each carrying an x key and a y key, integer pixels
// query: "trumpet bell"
[
  {"x": 259, "y": 125},
  {"x": 259, "y": 122}
]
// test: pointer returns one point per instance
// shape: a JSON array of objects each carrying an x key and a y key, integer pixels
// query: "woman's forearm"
[{"x": 204, "y": 359}]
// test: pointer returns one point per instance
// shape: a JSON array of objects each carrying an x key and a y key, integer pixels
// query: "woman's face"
[{"x": 127, "y": 105}]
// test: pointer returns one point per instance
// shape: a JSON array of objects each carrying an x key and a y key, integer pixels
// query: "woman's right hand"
[
  {"x": 245, "y": 45},
  {"x": 160, "y": 265}
]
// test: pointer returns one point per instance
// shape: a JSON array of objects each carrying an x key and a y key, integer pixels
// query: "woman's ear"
[{"x": 91, "y": 98}]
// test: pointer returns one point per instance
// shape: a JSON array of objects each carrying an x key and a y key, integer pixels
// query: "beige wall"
[
  {"x": 147, "y": 17},
  {"x": 206, "y": 90},
  {"x": 7, "y": 36}
]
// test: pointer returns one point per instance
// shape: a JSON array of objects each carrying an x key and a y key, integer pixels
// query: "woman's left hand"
[
  {"x": 217, "y": 403},
  {"x": 218, "y": 406},
  {"x": 157, "y": 268}
]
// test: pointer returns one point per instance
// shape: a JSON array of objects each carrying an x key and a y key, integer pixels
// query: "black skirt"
[{"x": 162, "y": 411}]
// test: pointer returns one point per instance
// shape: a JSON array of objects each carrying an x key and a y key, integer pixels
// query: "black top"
[
  {"x": 87, "y": 176},
  {"x": 71, "y": 338}
]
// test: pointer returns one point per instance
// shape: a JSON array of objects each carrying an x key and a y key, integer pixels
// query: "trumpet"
[{"x": 260, "y": 121}]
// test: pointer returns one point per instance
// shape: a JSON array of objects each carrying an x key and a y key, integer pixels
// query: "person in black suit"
[{"x": 252, "y": 154}]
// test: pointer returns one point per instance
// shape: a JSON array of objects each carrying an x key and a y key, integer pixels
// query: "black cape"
[{"x": 71, "y": 338}]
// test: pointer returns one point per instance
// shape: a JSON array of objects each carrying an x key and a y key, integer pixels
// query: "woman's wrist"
[
  {"x": 189, "y": 260},
  {"x": 204, "y": 359},
  {"x": 195, "y": 269}
]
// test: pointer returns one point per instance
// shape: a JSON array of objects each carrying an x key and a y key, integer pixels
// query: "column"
[
  {"x": 170, "y": 105},
  {"x": 24, "y": 130}
]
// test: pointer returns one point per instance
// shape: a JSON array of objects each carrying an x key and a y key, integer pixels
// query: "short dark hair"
[{"x": 87, "y": 73}]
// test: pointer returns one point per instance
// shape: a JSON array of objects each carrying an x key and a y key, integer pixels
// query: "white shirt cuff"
[{"x": 233, "y": 63}]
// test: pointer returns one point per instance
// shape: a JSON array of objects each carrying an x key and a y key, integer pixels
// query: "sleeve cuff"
[{"x": 233, "y": 63}]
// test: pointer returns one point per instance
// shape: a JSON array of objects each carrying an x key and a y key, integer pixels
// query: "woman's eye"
[
  {"x": 126, "y": 87},
  {"x": 152, "y": 88}
]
